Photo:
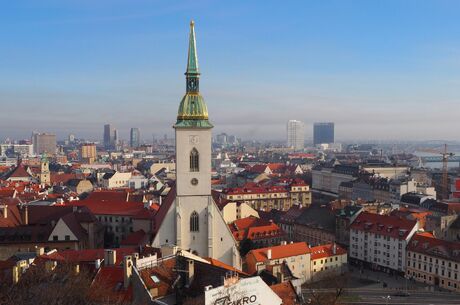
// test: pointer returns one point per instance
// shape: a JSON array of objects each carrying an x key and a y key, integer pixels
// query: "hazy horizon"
[{"x": 378, "y": 70}]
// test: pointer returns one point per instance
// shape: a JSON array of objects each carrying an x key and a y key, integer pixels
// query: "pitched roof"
[
  {"x": 281, "y": 251},
  {"x": 326, "y": 251},
  {"x": 88, "y": 255},
  {"x": 108, "y": 285},
  {"x": 255, "y": 228},
  {"x": 164, "y": 208},
  {"x": 286, "y": 292},
  {"x": 137, "y": 238},
  {"x": 385, "y": 225},
  {"x": 429, "y": 245},
  {"x": 19, "y": 171}
]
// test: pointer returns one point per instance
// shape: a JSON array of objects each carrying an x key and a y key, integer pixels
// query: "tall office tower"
[
  {"x": 295, "y": 135},
  {"x": 71, "y": 138},
  {"x": 189, "y": 217},
  {"x": 323, "y": 133},
  {"x": 134, "y": 137},
  {"x": 110, "y": 136},
  {"x": 44, "y": 143},
  {"x": 221, "y": 139},
  {"x": 88, "y": 152}
]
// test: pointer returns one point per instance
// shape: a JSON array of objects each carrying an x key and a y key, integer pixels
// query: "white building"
[
  {"x": 250, "y": 291},
  {"x": 379, "y": 241},
  {"x": 295, "y": 134},
  {"x": 189, "y": 218},
  {"x": 116, "y": 180}
]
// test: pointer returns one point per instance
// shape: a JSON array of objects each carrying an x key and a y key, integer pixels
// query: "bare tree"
[
  {"x": 328, "y": 291},
  {"x": 62, "y": 286}
]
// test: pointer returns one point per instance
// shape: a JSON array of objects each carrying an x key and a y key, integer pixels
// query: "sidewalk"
[{"x": 376, "y": 279}]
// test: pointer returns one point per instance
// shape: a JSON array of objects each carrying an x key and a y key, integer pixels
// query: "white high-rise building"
[
  {"x": 295, "y": 134},
  {"x": 189, "y": 218}
]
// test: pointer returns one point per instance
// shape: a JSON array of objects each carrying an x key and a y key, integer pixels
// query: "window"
[
  {"x": 67, "y": 237},
  {"x": 194, "y": 222},
  {"x": 194, "y": 160},
  {"x": 55, "y": 238}
]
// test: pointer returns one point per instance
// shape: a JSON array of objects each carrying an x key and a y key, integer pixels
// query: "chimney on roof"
[
  {"x": 110, "y": 257},
  {"x": 269, "y": 254},
  {"x": 127, "y": 270},
  {"x": 15, "y": 273},
  {"x": 97, "y": 263},
  {"x": 39, "y": 251},
  {"x": 190, "y": 269},
  {"x": 135, "y": 257},
  {"x": 334, "y": 249},
  {"x": 76, "y": 269},
  {"x": 25, "y": 215},
  {"x": 5, "y": 211}
]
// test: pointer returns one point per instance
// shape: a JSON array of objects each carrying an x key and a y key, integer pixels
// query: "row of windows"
[
  {"x": 56, "y": 238},
  {"x": 430, "y": 259},
  {"x": 420, "y": 276},
  {"x": 430, "y": 269},
  {"x": 325, "y": 268},
  {"x": 117, "y": 219},
  {"x": 325, "y": 261}
]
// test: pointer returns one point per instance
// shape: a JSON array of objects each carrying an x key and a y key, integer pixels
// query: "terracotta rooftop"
[
  {"x": 384, "y": 225},
  {"x": 286, "y": 292},
  {"x": 326, "y": 251},
  {"x": 427, "y": 244},
  {"x": 281, "y": 251}
]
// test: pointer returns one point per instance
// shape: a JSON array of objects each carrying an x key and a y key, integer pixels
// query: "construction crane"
[{"x": 445, "y": 173}]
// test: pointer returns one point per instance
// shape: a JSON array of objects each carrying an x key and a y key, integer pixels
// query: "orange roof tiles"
[
  {"x": 286, "y": 292},
  {"x": 281, "y": 251},
  {"x": 326, "y": 251},
  {"x": 429, "y": 245},
  {"x": 385, "y": 225}
]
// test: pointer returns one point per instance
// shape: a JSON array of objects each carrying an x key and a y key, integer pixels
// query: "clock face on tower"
[{"x": 192, "y": 84}]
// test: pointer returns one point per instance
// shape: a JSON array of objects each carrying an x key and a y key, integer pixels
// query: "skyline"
[{"x": 391, "y": 67}]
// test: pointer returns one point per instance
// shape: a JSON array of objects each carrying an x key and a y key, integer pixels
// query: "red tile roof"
[
  {"x": 429, "y": 245},
  {"x": 138, "y": 238},
  {"x": 19, "y": 171},
  {"x": 255, "y": 228},
  {"x": 222, "y": 265},
  {"x": 7, "y": 193},
  {"x": 281, "y": 251},
  {"x": 385, "y": 225},
  {"x": 122, "y": 208},
  {"x": 326, "y": 251},
  {"x": 108, "y": 285},
  {"x": 89, "y": 255},
  {"x": 286, "y": 292},
  {"x": 164, "y": 208}
]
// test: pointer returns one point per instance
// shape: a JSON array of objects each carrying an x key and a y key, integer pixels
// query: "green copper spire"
[
  {"x": 192, "y": 109},
  {"x": 192, "y": 62}
]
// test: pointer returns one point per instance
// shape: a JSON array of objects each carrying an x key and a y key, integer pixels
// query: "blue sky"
[{"x": 378, "y": 69}]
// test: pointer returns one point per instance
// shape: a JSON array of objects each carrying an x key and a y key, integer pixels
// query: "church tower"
[
  {"x": 193, "y": 133},
  {"x": 44, "y": 175},
  {"x": 189, "y": 218}
]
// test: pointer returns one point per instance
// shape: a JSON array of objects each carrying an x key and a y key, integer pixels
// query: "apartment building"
[
  {"x": 434, "y": 261},
  {"x": 280, "y": 197},
  {"x": 379, "y": 241}
]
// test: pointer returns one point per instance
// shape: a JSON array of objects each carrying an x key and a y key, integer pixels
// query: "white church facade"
[{"x": 189, "y": 218}]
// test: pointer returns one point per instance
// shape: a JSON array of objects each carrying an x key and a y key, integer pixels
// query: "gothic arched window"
[
  {"x": 194, "y": 160},
  {"x": 194, "y": 222}
]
